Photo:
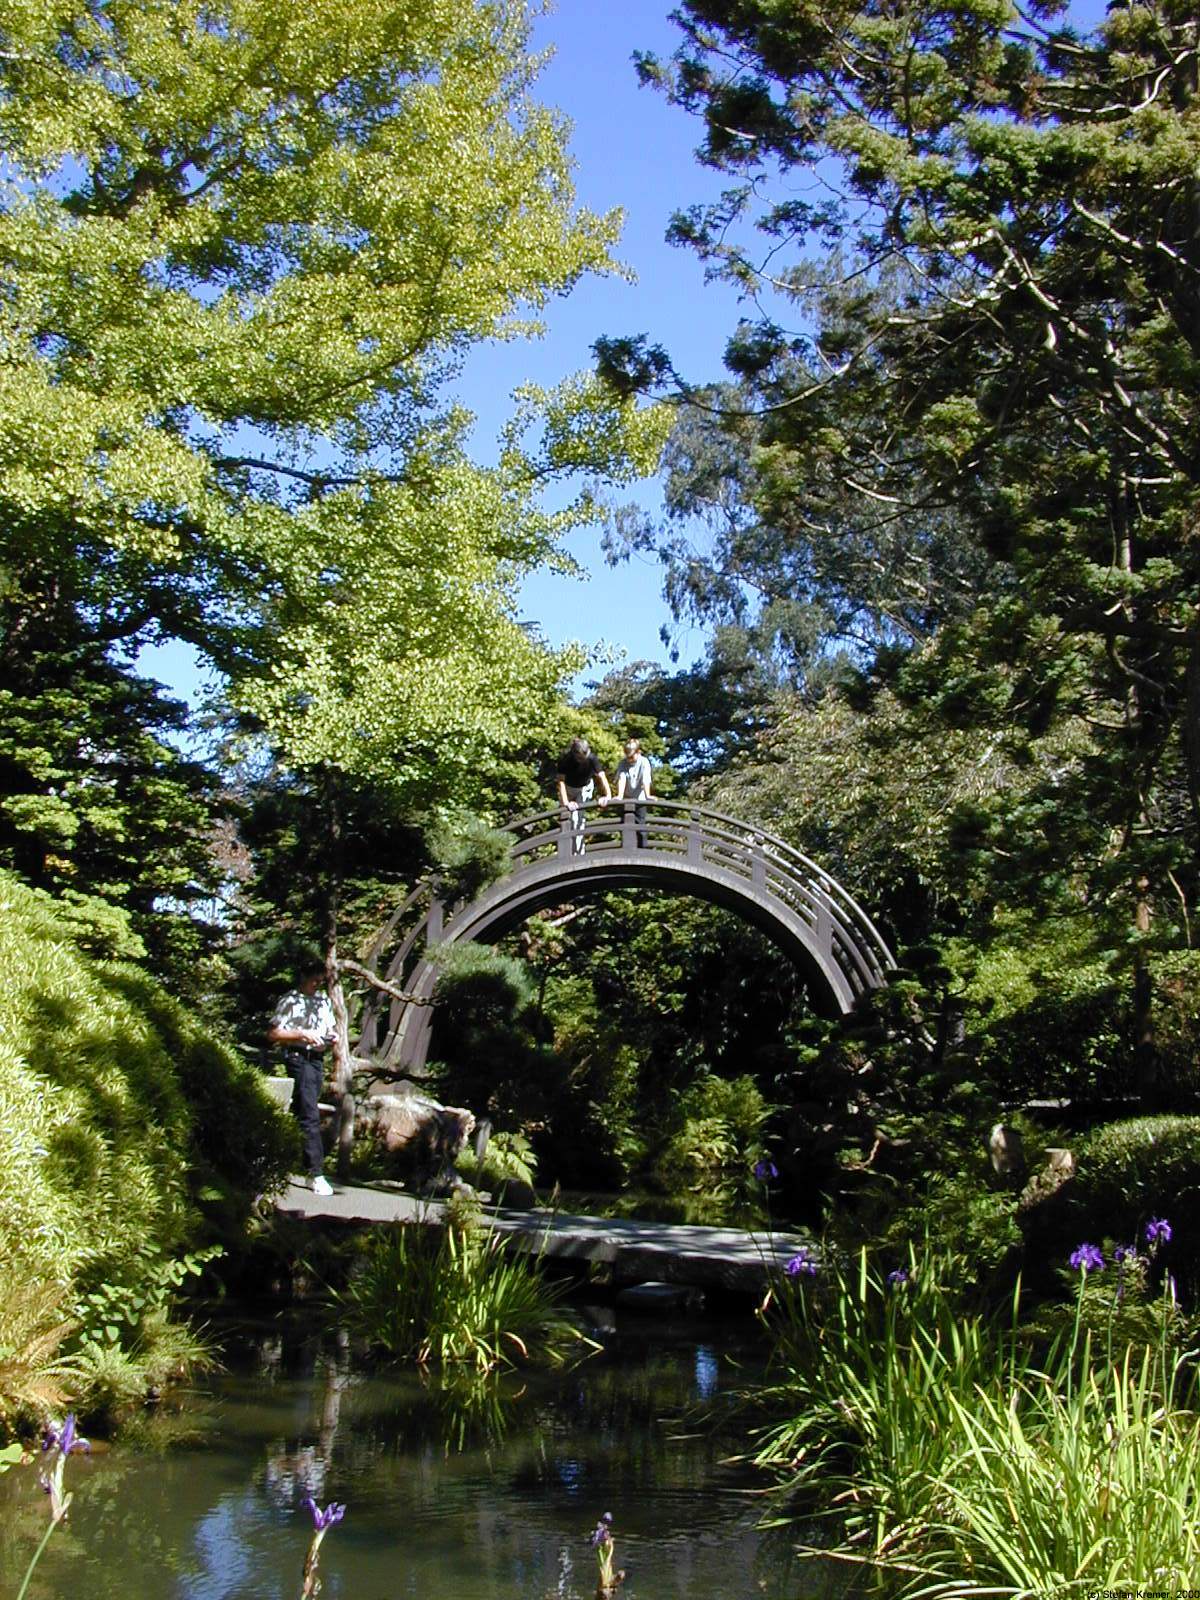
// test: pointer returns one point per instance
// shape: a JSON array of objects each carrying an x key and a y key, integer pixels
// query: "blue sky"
[{"x": 633, "y": 151}]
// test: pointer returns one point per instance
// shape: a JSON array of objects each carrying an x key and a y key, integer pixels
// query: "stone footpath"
[{"x": 727, "y": 1259}]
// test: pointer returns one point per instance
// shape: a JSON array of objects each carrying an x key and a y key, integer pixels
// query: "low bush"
[{"x": 1130, "y": 1172}]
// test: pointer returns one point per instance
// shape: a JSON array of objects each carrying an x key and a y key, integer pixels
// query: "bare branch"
[{"x": 345, "y": 964}]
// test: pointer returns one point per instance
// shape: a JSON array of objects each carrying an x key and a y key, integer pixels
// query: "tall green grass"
[
  {"x": 969, "y": 1460},
  {"x": 1064, "y": 1490},
  {"x": 454, "y": 1296},
  {"x": 875, "y": 1375}
]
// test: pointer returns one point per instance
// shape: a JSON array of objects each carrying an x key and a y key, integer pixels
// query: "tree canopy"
[
  {"x": 244, "y": 246},
  {"x": 981, "y": 436}
]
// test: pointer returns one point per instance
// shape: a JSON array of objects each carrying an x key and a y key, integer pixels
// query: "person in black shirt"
[{"x": 578, "y": 771}]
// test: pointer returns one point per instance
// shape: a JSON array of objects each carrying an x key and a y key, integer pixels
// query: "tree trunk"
[
  {"x": 1191, "y": 725},
  {"x": 343, "y": 1072}
]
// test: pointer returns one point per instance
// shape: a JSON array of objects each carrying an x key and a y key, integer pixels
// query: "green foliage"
[
  {"x": 961, "y": 1464},
  {"x": 1073, "y": 1489},
  {"x": 1175, "y": 1024},
  {"x": 455, "y": 1296},
  {"x": 1049, "y": 1009},
  {"x": 231, "y": 317},
  {"x": 1130, "y": 1302},
  {"x": 125, "y": 1122},
  {"x": 973, "y": 474},
  {"x": 480, "y": 978},
  {"x": 239, "y": 1145},
  {"x": 469, "y": 856},
  {"x": 310, "y": 840},
  {"x": 715, "y": 1143},
  {"x": 119, "y": 1313},
  {"x": 509, "y": 1158},
  {"x": 958, "y": 1201},
  {"x": 1130, "y": 1172},
  {"x": 637, "y": 999},
  {"x": 96, "y": 804},
  {"x": 36, "y": 1376},
  {"x": 872, "y": 1371},
  {"x": 112, "y": 1378}
]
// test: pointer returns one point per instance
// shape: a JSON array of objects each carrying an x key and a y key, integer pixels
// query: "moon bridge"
[{"x": 659, "y": 844}]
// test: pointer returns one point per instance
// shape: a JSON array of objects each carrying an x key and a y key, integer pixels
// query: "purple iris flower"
[
  {"x": 897, "y": 1278},
  {"x": 64, "y": 1439},
  {"x": 801, "y": 1262},
  {"x": 1087, "y": 1258},
  {"x": 323, "y": 1519},
  {"x": 1158, "y": 1230},
  {"x": 1123, "y": 1255},
  {"x": 602, "y": 1534},
  {"x": 766, "y": 1170}
]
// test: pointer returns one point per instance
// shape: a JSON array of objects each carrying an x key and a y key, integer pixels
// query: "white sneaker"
[{"x": 319, "y": 1185}]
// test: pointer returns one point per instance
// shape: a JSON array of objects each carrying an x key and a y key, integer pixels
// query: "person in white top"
[
  {"x": 303, "y": 1024},
  {"x": 633, "y": 783}
]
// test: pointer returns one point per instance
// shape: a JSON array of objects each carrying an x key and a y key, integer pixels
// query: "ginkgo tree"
[{"x": 244, "y": 248}]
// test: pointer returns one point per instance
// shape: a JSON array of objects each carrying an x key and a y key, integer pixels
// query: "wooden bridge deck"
[{"x": 727, "y": 1259}]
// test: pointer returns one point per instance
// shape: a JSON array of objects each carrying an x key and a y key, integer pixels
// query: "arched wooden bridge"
[{"x": 685, "y": 849}]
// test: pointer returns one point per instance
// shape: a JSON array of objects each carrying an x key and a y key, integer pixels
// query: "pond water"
[{"x": 454, "y": 1492}]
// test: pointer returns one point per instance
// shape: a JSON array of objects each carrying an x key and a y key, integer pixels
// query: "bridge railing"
[
  {"x": 669, "y": 830},
  {"x": 714, "y": 839}
]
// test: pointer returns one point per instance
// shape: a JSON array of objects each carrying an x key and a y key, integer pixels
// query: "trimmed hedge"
[
  {"x": 1130, "y": 1172},
  {"x": 1127, "y": 1174}
]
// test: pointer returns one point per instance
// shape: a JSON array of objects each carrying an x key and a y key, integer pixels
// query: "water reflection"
[{"x": 455, "y": 1491}]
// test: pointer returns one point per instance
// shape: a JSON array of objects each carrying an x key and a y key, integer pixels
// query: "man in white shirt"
[
  {"x": 303, "y": 1024},
  {"x": 633, "y": 783}
]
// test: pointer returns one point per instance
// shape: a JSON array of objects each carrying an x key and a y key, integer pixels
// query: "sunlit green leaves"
[{"x": 242, "y": 247}]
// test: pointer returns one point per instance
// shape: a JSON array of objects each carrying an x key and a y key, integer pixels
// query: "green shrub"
[
  {"x": 716, "y": 1142},
  {"x": 239, "y": 1144},
  {"x": 481, "y": 978},
  {"x": 1129, "y": 1172},
  {"x": 122, "y": 1119},
  {"x": 455, "y": 1295}
]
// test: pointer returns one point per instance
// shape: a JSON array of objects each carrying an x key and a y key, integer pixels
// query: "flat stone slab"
[{"x": 634, "y": 1252}]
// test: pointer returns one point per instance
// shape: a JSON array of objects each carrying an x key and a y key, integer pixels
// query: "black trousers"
[
  {"x": 307, "y": 1072},
  {"x": 639, "y": 818}
]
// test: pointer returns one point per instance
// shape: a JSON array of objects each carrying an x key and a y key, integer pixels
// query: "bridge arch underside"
[{"x": 821, "y": 951}]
